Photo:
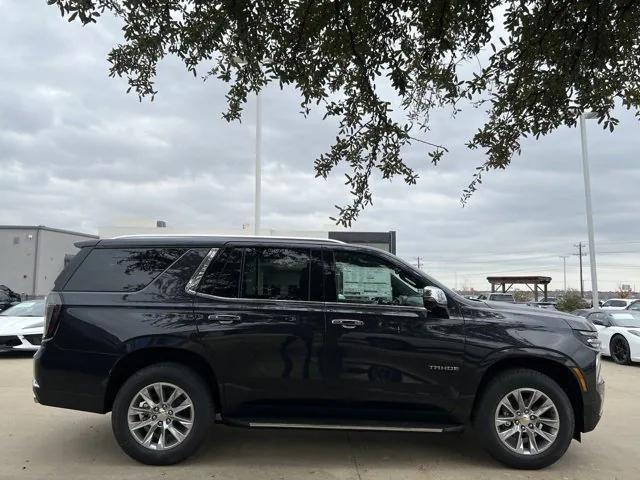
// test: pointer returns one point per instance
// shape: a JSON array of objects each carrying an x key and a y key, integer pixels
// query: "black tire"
[
  {"x": 203, "y": 412},
  {"x": 619, "y": 350},
  {"x": 485, "y": 412}
]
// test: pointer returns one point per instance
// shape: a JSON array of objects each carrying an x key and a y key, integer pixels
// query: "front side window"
[
  {"x": 279, "y": 274},
  {"x": 121, "y": 269},
  {"x": 222, "y": 278},
  {"x": 635, "y": 306},
  {"x": 365, "y": 278}
]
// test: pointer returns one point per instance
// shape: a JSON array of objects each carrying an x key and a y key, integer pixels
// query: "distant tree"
[
  {"x": 571, "y": 301},
  {"x": 622, "y": 293},
  {"x": 547, "y": 62},
  {"x": 522, "y": 296}
]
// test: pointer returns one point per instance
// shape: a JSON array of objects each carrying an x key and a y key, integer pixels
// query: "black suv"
[{"x": 172, "y": 334}]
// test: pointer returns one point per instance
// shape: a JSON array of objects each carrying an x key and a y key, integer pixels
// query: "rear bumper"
[{"x": 71, "y": 379}]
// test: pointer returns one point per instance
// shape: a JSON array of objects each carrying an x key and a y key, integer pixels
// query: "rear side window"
[
  {"x": 222, "y": 278},
  {"x": 615, "y": 303},
  {"x": 121, "y": 269},
  {"x": 281, "y": 274}
]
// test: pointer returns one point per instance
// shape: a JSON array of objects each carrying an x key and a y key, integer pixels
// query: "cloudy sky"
[{"x": 76, "y": 152}]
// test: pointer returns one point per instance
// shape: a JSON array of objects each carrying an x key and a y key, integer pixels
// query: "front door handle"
[
  {"x": 224, "y": 318},
  {"x": 347, "y": 322}
]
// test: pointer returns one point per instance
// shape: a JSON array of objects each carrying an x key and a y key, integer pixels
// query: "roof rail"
[{"x": 188, "y": 235}]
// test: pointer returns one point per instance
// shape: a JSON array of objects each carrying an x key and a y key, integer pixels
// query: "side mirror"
[{"x": 434, "y": 296}]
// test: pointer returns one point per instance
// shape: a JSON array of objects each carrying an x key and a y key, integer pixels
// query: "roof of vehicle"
[
  {"x": 627, "y": 300},
  {"x": 201, "y": 240}
]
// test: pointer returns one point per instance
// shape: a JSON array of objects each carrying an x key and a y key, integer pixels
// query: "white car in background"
[
  {"x": 618, "y": 303},
  {"x": 619, "y": 334},
  {"x": 22, "y": 326}
]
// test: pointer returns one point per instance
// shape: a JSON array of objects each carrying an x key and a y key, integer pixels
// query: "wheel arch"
[
  {"x": 554, "y": 369},
  {"x": 134, "y": 361}
]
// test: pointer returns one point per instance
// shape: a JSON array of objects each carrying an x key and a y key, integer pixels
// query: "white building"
[{"x": 31, "y": 257}]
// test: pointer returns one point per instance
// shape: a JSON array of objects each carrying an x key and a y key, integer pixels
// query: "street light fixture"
[{"x": 587, "y": 193}]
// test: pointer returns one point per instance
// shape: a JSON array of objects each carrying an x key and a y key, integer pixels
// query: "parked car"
[
  {"x": 172, "y": 334},
  {"x": 21, "y": 326},
  {"x": 634, "y": 306},
  {"x": 619, "y": 333},
  {"x": 548, "y": 304},
  {"x": 618, "y": 303},
  {"x": 497, "y": 297},
  {"x": 7, "y": 298}
]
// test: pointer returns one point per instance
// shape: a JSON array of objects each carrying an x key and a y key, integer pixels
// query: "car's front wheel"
[
  {"x": 162, "y": 414},
  {"x": 524, "y": 419}
]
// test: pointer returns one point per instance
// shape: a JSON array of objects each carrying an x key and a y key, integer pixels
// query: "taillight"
[{"x": 53, "y": 308}]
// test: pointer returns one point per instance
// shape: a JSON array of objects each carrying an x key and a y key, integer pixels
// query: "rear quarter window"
[{"x": 121, "y": 269}]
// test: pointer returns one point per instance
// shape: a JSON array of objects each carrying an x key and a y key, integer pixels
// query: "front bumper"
[
  {"x": 25, "y": 343},
  {"x": 593, "y": 405}
]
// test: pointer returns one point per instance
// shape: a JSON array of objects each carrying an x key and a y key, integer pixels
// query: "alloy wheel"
[
  {"x": 619, "y": 350},
  {"x": 527, "y": 421},
  {"x": 160, "y": 416}
]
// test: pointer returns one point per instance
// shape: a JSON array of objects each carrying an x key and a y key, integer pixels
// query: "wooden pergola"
[{"x": 529, "y": 281}]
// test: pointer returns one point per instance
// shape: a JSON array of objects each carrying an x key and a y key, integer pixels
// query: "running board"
[{"x": 345, "y": 425}]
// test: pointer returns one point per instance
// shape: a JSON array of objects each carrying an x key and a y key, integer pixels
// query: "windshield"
[
  {"x": 628, "y": 319},
  {"x": 30, "y": 308}
]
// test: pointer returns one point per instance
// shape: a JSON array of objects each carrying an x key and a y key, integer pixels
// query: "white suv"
[{"x": 618, "y": 303}]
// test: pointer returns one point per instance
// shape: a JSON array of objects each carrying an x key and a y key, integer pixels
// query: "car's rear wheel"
[
  {"x": 162, "y": 413},
  {"x": 620, "y": 352},
  {"x": 524, "y": 419}
]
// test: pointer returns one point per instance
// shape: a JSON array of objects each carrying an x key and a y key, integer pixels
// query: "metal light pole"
[
  {"x": 564, "y": 267},
  {"x": 257, "y": 199},
  {"x": 587, "y": 193},
  {"x": 258, "y": 190}
]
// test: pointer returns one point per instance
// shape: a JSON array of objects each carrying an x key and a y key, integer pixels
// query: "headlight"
[{"x": 589, "y": 338}]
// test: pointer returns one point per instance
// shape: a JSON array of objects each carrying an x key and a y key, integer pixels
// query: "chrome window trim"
[
  {"x": 335, "y": 306},
  {"x": 195, "y": 279}
]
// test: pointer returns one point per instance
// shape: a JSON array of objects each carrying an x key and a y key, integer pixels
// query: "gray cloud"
[{"x": 77, "y": 152}]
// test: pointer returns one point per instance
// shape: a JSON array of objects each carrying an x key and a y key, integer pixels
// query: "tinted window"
[
  {"x": 365, "y": 278},
  {"x": 121, "y": 270},
  {"x": 615, "y": 303},
  {"x": 223, "y": 275},
  {"x": 277, "y": 273},
  {"x": 502, "y": 297}
]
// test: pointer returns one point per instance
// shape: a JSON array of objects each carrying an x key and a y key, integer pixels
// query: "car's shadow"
[
  {"x": 90, "y": 441},
  {"x": 16, "y": 354}
]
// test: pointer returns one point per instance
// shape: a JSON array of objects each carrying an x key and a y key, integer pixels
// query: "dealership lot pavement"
[{"x": 39, "y": 442}]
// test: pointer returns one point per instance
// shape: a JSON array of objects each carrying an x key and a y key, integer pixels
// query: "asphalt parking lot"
[{"x": 39, "y": 442}]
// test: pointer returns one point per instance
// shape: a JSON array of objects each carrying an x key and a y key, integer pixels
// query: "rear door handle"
[
  {"x": 224, "y": 318},
  {"x": 347, "y": 322}
]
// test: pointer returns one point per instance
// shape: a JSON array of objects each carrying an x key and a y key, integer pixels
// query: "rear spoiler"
[{"x": 87, "y": 243}]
